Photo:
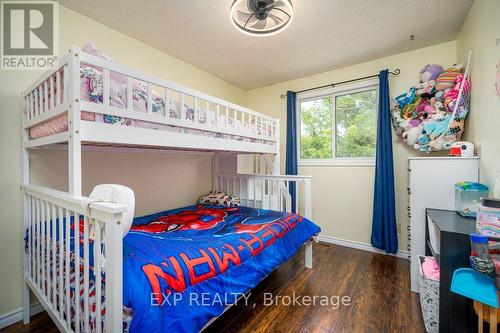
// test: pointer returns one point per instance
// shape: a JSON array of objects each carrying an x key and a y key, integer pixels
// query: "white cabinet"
[{"x": 431, "y": 182}]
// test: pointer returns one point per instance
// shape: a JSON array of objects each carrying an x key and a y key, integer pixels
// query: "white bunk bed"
[{"x": 57, "y": 93}]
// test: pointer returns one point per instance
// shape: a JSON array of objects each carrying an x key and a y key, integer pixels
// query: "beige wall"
[
  {"x": 178, "y": 179},
  {"x": 481, "y": 32},
  {"x": 343, "y": 195}
]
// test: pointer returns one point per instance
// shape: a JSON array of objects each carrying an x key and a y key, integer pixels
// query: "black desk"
[{"x": 456, "y": 313}]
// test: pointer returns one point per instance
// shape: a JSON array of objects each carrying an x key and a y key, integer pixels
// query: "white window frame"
[{"x": 371, "y": 84}]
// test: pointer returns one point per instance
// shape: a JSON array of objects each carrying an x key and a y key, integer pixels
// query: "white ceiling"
[{"x": 324, "y": 35}]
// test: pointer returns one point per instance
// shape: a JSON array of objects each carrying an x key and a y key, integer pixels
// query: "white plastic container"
[
  {"x": 488, "y": 218},
  {"x": 468, "y": 195}
]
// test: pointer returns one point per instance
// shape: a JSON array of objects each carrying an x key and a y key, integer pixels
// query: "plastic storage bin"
[
  {"x": 434, "y": 238},
  {"x": 468, "y": 195},
  {"x": 429, "y": 300},
  {"x": 488, "y": 218}
]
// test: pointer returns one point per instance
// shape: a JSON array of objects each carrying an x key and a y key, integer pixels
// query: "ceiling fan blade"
[
  {"x": 279, "y": 3},
  {"x": 261, "y": 24},
  {"x": 242, "y": 16},
  {"x": 277, "y": 20}
]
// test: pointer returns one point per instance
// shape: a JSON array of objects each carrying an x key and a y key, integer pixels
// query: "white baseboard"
[
  {"x": 17, "y": 315},
  {"x": 360, "y": 246}
]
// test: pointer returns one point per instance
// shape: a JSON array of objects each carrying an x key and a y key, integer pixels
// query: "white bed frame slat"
[
  {"x": 130, "y": 94},
  {"x": 182, "y": 107},
  {"x": 60, "y": 253},
  {"x": 39, "y": 243},
  {"x": 58, "y": 88},
  {"x": 76, "y": 244},
  {"x": 150, "y": 98},
  {"x": 53, "y": 238},
  {"x": 67, "y": 268},
  {"x": 86, "y": 258},
  {"x": 105, "y": 87},
  {"x": 52, "y": 96},
  {"x": 43, "y": 259},
  {"x": 98, "y": 279}
]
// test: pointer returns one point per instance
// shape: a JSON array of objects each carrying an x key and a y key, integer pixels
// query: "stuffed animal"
[
  {"x": 406, "y": 98},
  {"x": 430, "y": 72},
  {"x": 447, "y": 78},
  {"x": 408, "y": 111},
  {"x": 400, "y": 125},
  {"x": 424, "y": 109},
  {"x": 437, "y": 105},
  {"x": 411, "y": 136},
  {"x": 440, "y": 114},
  {"x": 440, "y": 94},
  {"x": 437, "y": 143},
  {"x": 414, "y": 123},
  {"x": 425, "y": 87},
  {"x": 423, "y": 141},
  {"x": 435, "y": 128},
  {"x": 460, "y": 81},
  {"x": 452, "y": 95}
]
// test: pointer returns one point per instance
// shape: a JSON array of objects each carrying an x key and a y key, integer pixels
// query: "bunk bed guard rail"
[
  {"x": 268, "y": 191},
  {"x": 58, "y": 226},
  {"x": 59, "y": 91}
]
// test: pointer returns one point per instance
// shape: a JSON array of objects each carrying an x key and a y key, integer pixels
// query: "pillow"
[
  {"x": 448, "y": 78},
  {"x": 219, "y": 198}
]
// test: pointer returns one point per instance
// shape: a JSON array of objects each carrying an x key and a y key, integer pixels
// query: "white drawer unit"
[{"x": 432, "y": 182}]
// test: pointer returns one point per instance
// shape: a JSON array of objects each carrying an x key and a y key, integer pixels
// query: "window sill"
[{"x": 368, "y": 162}]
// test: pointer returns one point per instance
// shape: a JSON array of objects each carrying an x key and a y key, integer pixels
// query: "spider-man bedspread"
[{"x": 182, "y": 267}]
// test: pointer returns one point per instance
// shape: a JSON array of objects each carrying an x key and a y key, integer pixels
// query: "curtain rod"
[{"x": 396, "y": 72}]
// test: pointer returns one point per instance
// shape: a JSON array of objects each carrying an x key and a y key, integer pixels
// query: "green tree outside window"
[{"x": 355, "y": 123}]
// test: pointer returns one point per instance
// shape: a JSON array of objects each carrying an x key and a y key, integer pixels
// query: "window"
[{"x": 338, "y": 126}]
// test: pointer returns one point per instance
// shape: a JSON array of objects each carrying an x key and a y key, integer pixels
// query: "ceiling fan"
[{"x": 261, "y": 17}]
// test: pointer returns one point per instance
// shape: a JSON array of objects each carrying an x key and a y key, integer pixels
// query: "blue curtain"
[
  {"x": 291, "y": 141},
  {"x": 384, "y": 230}
]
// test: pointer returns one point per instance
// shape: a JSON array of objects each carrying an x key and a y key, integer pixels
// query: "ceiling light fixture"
[{"x": 261, "y": 17}]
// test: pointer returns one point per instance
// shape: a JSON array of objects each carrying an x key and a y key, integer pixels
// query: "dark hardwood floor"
[{"x": 378, "y": 287}]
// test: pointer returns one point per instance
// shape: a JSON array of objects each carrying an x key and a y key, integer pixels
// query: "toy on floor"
[{"x": 430, "y": 115}]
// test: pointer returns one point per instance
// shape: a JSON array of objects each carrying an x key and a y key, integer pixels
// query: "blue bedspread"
[{"x": 182, "y": 267}]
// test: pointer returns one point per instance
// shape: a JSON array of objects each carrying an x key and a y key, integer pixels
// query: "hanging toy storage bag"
[{"x": 431, "y": 116}]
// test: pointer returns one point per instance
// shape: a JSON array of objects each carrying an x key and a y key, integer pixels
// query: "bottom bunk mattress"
[{"x": 183, "y": 267}]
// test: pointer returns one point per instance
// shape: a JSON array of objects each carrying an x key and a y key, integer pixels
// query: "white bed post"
[
  {"x": 277, "y": 158},
  {"x": 114, "y": 272},
  {"x": 308, "y": 215},
  {"x": 215, "y": 170},
  {"x": 74, "y": 141},
  {"x": 309, "y": 254},
  {"x": 26, "y": 212}
]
